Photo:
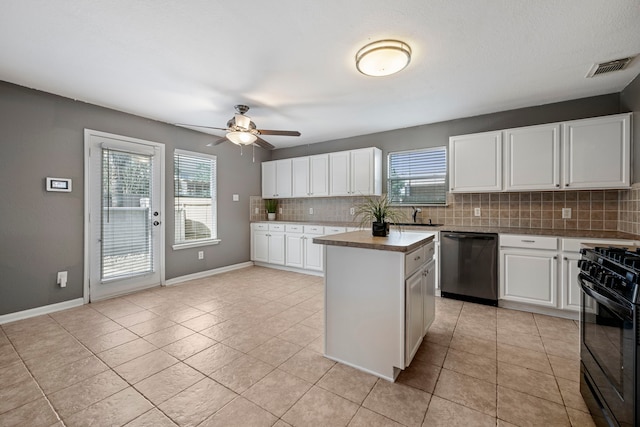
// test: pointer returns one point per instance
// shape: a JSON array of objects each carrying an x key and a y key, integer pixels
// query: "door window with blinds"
[
  {"x": 195, "y": 199},
  {"x": 418, "y": 177},
  {"x": 126, "y": 214}
]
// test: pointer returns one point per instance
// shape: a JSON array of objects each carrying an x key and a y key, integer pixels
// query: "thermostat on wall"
[{"x": 59, "y": 184}]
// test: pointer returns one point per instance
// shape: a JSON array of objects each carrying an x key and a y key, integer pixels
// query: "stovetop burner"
[{"x": 614, "y": 268}]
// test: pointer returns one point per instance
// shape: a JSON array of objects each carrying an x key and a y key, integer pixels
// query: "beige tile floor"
[{"x": 244, "y": 348}]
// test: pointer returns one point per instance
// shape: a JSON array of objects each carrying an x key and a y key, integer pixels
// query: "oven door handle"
[{"x": 607, "y": 302}]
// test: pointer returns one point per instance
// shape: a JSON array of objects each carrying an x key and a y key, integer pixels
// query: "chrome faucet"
[{"x": 416, "y": 211}]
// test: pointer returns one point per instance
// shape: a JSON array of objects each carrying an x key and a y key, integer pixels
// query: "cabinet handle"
[
  {"x": 555, "y": 257},
  {"x": 528, "y": 241},
  {"x": 557, "y": 185},
  {"x": 566, "y": 185},
  {"x": 417, "y": 258},
  {"x": 566, "y": 259}
]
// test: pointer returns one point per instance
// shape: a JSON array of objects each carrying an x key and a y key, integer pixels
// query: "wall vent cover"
[{"x": 609, "y": 66}]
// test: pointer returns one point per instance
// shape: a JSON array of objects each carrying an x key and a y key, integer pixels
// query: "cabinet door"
[
  {"x": 414, "y": 307},
  {"x": 339, "y": 170},
  {"x": 362, "y": 172},
  {"x": 276, "y": 248},
  {"x": 597, "y": 152},
  {"x": 283, "y": 178},
  {"x": 260, "y": 245},
  {"x": 319, "y": 175},
  {"x": 475, "y": 162},
  {"x": 529, "y": 276},
  {"x": 294, "y": 250},
  {"x": 571, "y": 292},
  {"x": 532, "y": 158},
  {"x": 429, "y": 295},
  {"x": 312, "y": 254},
  {"x": 300, "y": 177},
  {"x": 268, "y": 180}
]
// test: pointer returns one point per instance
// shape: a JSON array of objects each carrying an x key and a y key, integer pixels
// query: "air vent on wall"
[{"x": 609, "y": 66}]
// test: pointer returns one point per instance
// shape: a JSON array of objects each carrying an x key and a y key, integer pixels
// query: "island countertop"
[{"x": 396, "y": 241}]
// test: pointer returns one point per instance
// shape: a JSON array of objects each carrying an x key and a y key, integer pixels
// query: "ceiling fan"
[{"x": 242, "y": 131}]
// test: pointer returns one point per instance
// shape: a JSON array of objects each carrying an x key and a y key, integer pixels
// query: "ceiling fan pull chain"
[{"x": 253, "y": 153}]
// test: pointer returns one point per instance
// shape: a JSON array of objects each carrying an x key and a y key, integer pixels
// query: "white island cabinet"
[{"x": 379, "y": 298}]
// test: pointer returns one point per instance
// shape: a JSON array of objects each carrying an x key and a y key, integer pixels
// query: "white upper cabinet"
[
  {"x": 355, "y": 172},
  {"x": 475, "y": 162},
  {"x": 319, "y": 175},
  {"x": 532, "y": 158},
  {"x": 300, "y": 177},
  {"x": 339, "y": 174},
  {"x": 581, "y": 154},
  {"x": 597, "y": 152},
  {"x": 310, "y": 176},
  {"x": 276, "y": 179}
]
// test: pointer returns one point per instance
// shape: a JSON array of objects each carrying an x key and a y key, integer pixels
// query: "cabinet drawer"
[
  {"x": 294, "y": 228},
  {"x": 313, "y": 229},
  {"x": 429, "y": 251},
  {"x": 574, "y": 245},
  {"x": 276, "y": 227},
  {"x": 528, "y": 241},
  {"x": 334, "y": 230},
  {"x": 260, "y": 226},
  {"x": 413, "y": 260}
]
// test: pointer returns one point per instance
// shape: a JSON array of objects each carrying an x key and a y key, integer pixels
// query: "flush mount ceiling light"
[
  {"x": 242, "y": 137},
  {"x": 383, "y": 58}
]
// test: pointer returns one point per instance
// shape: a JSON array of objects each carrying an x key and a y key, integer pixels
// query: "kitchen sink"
[{"x": 417, "y": 224}]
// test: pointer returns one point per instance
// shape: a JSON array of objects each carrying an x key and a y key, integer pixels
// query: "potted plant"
[
  {"x": 378, "y": 212},
  {"x": 271, "y": 205}
]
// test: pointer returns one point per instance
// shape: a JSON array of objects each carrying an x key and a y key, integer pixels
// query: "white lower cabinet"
[
  {"x": 529, "y": 276},
  {"x": 543, "y": 271},
  {"x": 268, "y": 243},
  {"x": 420, "y": 303}
]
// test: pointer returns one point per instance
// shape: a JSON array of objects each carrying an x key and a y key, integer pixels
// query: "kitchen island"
[{"x": 379, "y": 298}]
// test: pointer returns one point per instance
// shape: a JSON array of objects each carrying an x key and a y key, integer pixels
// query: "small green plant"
[
  {"x": 378, "y": 209},
  {"x": 271, "y": 205}
]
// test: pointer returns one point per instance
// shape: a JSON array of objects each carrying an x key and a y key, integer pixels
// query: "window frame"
[
  {"x": 420, "y": 203},
  {"x": 214, "y": 201}
]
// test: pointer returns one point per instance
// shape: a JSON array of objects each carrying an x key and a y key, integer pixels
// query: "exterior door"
[{"x": 124, "y": 191}]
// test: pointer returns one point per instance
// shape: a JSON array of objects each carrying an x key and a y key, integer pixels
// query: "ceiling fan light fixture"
[
  {"x": 383, "y": 58},
  {"x": 241, "y": 138}
]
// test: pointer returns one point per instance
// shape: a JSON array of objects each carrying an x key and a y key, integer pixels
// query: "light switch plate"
[
  {"x": 236, "y": 197},
  {"x": 476, "y": 211},
  {"x": 310, "y": 211},
  {"x": 566, "y": 213}
]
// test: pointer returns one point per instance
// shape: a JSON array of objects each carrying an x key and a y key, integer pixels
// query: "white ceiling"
[{"x": 292, "y": 61}]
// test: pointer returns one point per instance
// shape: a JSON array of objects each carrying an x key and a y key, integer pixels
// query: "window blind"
[
  {"x": 126, "y": 215},
  {"x": 195, "y": 197},
  {"x": 418, "y": 176}
]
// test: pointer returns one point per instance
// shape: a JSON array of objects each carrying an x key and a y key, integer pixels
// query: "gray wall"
[
  {"x": 630, "y": 101},
  {"x": 41, "y": 233},
  {"x": 438, "y": 134}
]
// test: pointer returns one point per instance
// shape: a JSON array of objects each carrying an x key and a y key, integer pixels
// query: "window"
[
  {"x": 194, "y": 183},
  {"x": 418, "y": 177}
]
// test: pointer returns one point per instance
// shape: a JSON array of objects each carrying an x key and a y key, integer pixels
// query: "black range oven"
[{"x": 609, "y": 332}]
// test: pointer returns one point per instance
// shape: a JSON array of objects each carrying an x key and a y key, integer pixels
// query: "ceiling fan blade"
[
  {"x": 217, "y": 142},
  {"x": 264, "y": 144},
  {"x": 198, "y": 126},
  {"x": 278, "y": 132}
]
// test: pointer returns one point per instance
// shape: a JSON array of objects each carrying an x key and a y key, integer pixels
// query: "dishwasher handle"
[{"x": 470, "y": 236}]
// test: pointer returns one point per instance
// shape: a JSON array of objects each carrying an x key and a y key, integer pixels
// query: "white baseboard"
[
  {"x": 38, "y": 311},
  {"x": 207, "y": 273},
  {"x": 293, "y": 269},
  {"x": 514, "y": 305}
]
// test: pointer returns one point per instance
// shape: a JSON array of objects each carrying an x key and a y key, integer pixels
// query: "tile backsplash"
[{"x": 590, "y": 210}]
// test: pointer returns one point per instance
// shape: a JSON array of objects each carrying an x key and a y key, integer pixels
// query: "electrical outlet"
[
  {"x": 200, "y": 254},
  {"x": 566, "y": 213},
  {"x": 280, "y": 211},
  {"x": 62, "y": 279},
  {"x": 236, "y": 197},
  {"x": 310, "y": 211},
  {"x": 256, "y": 211},
  {"x": 352, "y": 211},
  {"x": 476, "y": 211}
]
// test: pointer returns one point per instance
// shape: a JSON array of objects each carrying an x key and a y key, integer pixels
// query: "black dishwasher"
[{"x": 469, "y": 266}]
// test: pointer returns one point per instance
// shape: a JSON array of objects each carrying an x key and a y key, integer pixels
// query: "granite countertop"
[{"x": 396, "y": 241}]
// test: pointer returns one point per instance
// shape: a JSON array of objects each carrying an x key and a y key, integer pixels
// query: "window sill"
[{"x": 197, "y": 244}]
